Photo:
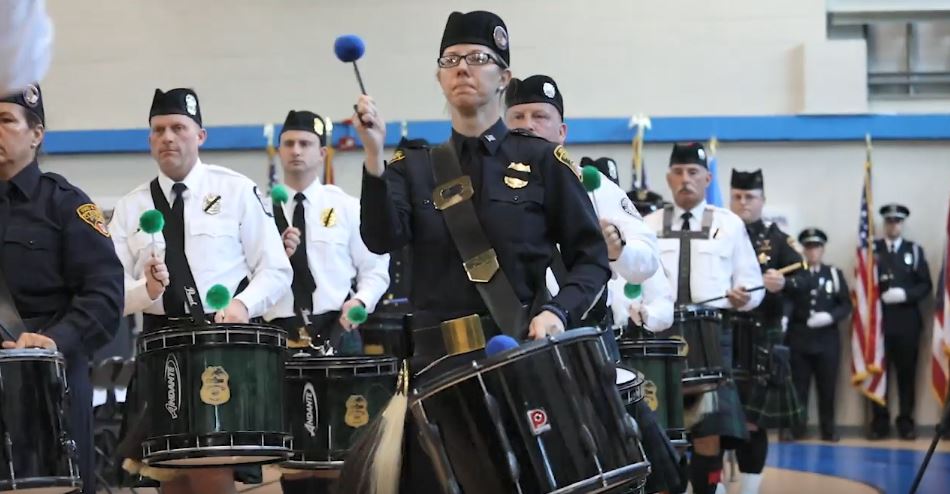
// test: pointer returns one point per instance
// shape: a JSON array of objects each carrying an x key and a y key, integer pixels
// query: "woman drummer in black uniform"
[{"x": 525, "y": 196}]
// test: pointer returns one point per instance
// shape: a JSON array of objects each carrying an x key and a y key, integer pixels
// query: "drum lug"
[
  {"x": 431, "y": 440},
  {"x": 513, "y": 467},
  {"x": 632, "y": 427},
  {"x": 69, "y": 446}
]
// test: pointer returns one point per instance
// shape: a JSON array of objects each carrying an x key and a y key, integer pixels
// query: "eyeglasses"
[{"x": 474, "y": 58}]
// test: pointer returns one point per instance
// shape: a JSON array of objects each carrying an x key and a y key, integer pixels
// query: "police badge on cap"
[
  {"x": 478, "y": 28},
  {"x": 691, "y": 153},
  {"x": 178, "y": 101},
  {"x": 30, "y": 98},
  {"x": 306, "y": 121},
  {"x": 535, "y": 89}
]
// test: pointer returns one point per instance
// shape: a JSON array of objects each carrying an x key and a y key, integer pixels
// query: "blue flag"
[{"x": 713, "y": 194}]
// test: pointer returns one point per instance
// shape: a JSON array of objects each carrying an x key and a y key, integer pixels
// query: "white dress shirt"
[
  {"x": 656, "y": 296},
  {"x": 26, "y": 39},
  {"x": 717, "y": 264},
  {"x": 336, "y": 253},
  {"x": 639, "y": 258},
  {"x": 234, "y": 239}
]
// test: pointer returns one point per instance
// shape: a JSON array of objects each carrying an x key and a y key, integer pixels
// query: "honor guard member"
[
  {"x": 820, "y": 301},
  {"x": 59, "y": 271},
  {"x": 708, "y": 253},
  {"x": 536, "y": 104},
  {"x": 217, "y": 230},
  {"x": 326, "y": 251},
  {"x": 904, "y": 280},
  {"x": 525, "y": 201},
  {"x": 775, "y": 250}
]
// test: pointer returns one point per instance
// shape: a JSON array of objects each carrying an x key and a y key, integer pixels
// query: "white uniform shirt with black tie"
[
  {"x": 718, "y": 263},
  {"x": 229, "y": 236},
  {"x": 336, "y": 253}
]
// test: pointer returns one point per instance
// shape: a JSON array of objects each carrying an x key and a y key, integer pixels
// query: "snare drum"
[
  {"x": 329, "y": 402},
  {"x": 749, "y": 354},
  {"x": 215, "y": 395},
  {"x": 33, "y": 424},
  {"x": 705, "y": 368},
  {"x": 544, "y": 417},
  {"x": 630, "y": 387}
]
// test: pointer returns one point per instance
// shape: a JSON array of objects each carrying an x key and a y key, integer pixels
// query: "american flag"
[
  {"x": 940, "y": 357},
  {"x": 868, "y": 369}
]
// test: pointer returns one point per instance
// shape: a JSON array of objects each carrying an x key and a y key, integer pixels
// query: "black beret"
[
  {"x": 747, "y": 180},
  {"x": 30, "y": 98},
  {"x": 307, "y": 122},
  {"x": 178, "y": 101},
  {"x": 478, "y": 28},
  {"x": 692, "y": 153},
  {"x": 535, "y": 89}
]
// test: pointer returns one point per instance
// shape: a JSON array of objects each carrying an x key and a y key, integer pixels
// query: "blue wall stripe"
[{"x": 581, "y": 131}]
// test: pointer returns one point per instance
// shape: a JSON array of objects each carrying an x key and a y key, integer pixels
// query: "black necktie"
[
  {"x": 683, "y": 293},
  {"x": 686, "y": 216},
  {"x": 303, "y": 285},
  {"x": 173, "y": 299},
  {"x": 893, "y": 249}
]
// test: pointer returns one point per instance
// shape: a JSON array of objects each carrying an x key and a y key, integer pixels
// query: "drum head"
[
  {"x": 42, "y": 485},
  {"x": 501, "y": 358},
  {"x": 30, "y": 354},
  {"x": 628, "y": 377},
  {"x": 214, "y": 335},
  {"x": 216, "y": 461}
]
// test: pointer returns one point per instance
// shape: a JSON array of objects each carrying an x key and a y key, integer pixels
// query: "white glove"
[
  {"x": 894, "y": 296},
  {"x": 819, "y": 320},
  {"x": 637, "y": 312}
]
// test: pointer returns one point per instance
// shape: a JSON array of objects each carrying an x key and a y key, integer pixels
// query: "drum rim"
[
  {"x": 696, "y": 309},
  {"x": 31, "y": 354},
  {"x": 60, "y": 481},
  {"x": 297, "y": 362},
  {"x": 313, "y": 465},
  {"x": 639, "y": 469},
  {"x": 224, "y": 328},
  {"x": 158, "y": 460},
  {"x": 480, "y": 366},
  {"x": 638, "y": 378}
]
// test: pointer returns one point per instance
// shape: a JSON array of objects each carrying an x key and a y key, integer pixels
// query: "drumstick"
[
  {"x": 7, "y": 334},
  {"x": 803, "y": 264}
]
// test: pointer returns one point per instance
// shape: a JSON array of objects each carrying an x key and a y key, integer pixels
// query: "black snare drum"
[
  {"x": 749, "y": 356},
  {"x": 544, "y": 417},
  {"x": 329, "y": 401},
  {"x": 215, "y": 395},
  {"x": 37, "y": 455},
  {"x": 701, "y": 328}
]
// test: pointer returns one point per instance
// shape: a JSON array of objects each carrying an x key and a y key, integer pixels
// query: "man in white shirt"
[
  {"x": 320, "y": 226},
  {"x": 332, "y": 255},
  {"x": 708, "y": 254},
  {"x": 217, "y": 231}
]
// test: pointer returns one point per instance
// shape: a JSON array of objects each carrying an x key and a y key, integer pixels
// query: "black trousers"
[
  {"x": 819, "y": 361},
  {"x": 902, "y": 350}
]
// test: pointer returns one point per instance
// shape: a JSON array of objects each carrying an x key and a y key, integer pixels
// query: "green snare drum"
[
  {"x": 661, "y": 361},
  {"x": 330, "y": 400},
  {"x": 214, "y": 395}
]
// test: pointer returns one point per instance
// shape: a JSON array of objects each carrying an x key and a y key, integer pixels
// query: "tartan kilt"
[
  {"x": 769, "y": 397},
  {"x": 728, "y": 418}
]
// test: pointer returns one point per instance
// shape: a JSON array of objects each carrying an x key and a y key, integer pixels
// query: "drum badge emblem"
[
  {"x": 515, "y": 182},
  {"x": 173, "y": 380},
  {"x": 357, "y": 411},
  {"x": 538, "y": 418},
  {"x": 310, "y": 407},
  {"x": 214, "y": 386},
  {"x": 649, "y": 393}
]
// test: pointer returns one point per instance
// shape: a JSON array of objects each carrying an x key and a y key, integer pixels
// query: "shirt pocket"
[
  {"x": 35, "y": 252},
  {"x": 517, "y": 214},
  {"x": 329, "y": 245},
  {"x": 714, "y": 260},
  {"x": 214, "y": 243}
]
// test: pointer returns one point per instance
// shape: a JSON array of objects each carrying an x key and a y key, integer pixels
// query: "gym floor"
[{"x": 852, "y": 466}]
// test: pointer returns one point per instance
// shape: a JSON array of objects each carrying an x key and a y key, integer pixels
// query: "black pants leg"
[
  {"x": 801, "y": 377},
  {"x": 826, "y": 381},
  {"x": 903, "y": 350}
]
